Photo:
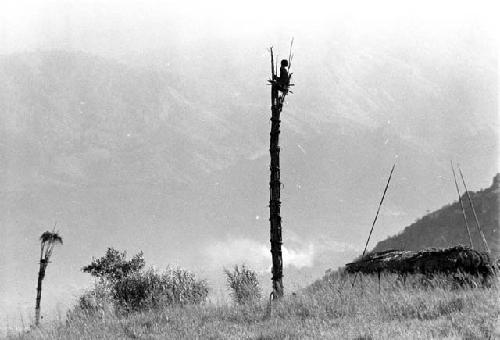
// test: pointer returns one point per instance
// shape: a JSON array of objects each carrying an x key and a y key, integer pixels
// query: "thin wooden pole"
[
  {"x": 375, "y": 219},
  {"x": 462, "y": 205},
  {"x": 473, "y": 211},
  {"x": 41, "y": 275},
  {"x": 272, "y": 63},
  {"x": 378, "y": 210}
]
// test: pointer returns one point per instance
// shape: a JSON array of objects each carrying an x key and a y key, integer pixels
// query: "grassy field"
[{"x": 330, "y": 308}]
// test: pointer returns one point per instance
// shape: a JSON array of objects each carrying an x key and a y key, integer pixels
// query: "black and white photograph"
[{"x": 227, "y": 169}]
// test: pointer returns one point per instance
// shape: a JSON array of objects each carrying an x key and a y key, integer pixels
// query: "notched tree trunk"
[{"x": 41, "y": 276}]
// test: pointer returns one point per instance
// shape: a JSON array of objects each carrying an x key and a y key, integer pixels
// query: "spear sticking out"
[
  {"x": 273, "y": 74},
  {"x": 376, "y": 217},
  {"x": 461, "y": 205},
  {"x": 473, "y": 210}
]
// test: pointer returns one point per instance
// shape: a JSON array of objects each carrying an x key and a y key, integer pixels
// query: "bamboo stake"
[
  {"x": 290, "y": 55},
  {"x": 375, "y": 219},
  {"x": 473, "y": 210},
  {"x": 272, "y": 63},
  {"x": 461, "y": 205}
]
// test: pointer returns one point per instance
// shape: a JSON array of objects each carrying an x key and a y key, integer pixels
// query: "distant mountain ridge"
[
  {"x": 192, "y": 130},
  {"x": 168, "y": 153},
  {"x": 78, "y": 118},
  {"x": 445, "y": 227}
]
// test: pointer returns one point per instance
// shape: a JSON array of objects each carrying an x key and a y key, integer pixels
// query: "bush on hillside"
[
  {"x": 152, "y": 289},
  {"x": 125, "y": 284},
  {"x": 243, "y": 284},
  {"x": 114, "y": 266},
  {"x": 97, "y": 299}
]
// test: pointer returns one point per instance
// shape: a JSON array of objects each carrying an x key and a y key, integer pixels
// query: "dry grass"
[{"x": 328, "y": 309}]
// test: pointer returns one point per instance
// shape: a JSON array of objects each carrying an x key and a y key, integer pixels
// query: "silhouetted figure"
[
  {"x": 284, "y": 79},
  {"x": 281, "y": 84}
]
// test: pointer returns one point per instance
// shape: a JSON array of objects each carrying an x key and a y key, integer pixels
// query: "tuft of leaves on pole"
[
  {"x": 278, "y": 92},
  {"x": 48, "y": 240}
]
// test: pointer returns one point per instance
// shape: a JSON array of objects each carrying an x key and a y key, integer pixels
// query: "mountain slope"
[
  {"x": 83, "y": 119},
  {"x": 446, "y": 227}
]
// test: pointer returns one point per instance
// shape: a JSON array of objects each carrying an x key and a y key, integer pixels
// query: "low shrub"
[
  {"x": 243, "y": 284},
  {"x": 125, "y": 285},
  {"x": 152, "y": 289},
  {"x": 97, "y": 299}
]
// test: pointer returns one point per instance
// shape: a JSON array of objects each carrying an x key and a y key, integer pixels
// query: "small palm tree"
[{"x": 48, "y": 241}]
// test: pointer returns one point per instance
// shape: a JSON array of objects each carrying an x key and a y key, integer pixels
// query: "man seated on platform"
[{"x": 284, "y": 79}]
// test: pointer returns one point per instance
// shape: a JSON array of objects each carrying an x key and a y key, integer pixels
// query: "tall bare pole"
[
  {"x": 461, "y": 205},
  {"x": 277, "y": 101},
  {"x": 473, "y": 211}
]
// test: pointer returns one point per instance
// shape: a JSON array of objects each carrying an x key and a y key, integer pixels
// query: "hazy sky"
[{"x": 118, "y": 26}]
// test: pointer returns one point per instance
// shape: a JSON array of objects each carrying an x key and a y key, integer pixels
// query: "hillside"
[
  {"x": 445, "y": 227},
  {"x": 171, "y": 157},
  {"x": 329, "y": 309}
]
